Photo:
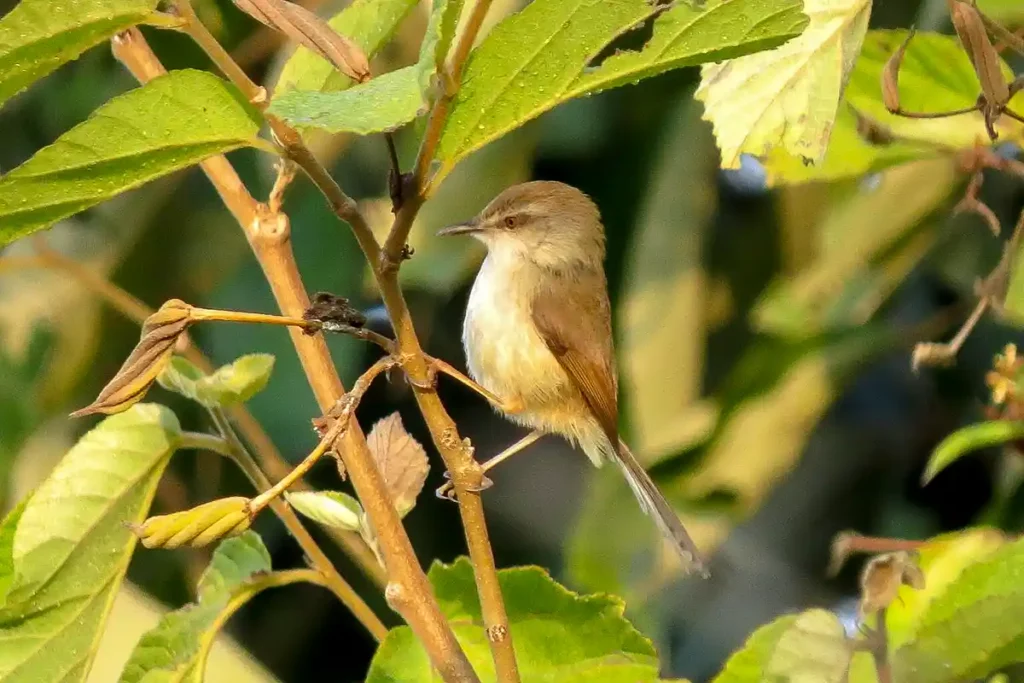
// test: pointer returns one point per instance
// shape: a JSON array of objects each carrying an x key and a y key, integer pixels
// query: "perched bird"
[{"x": 538, "y": 336}]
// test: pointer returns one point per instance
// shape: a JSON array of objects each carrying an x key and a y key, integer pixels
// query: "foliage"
[
  {"x": 177, "y": 649},
  {"x": 66, "y": 548},
  {"x": 594, "y": 640},
  {"x": 733, "y": 349}
]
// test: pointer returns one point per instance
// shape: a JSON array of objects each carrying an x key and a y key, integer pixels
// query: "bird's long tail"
[{"x": 654, "y": 504}]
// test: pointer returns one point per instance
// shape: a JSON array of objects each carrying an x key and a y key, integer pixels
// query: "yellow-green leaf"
[
  {"x": 229, "y": 385},
  {"x": 330, "y": 508},
  {"x": 559, "y": 636},
  {"x": 71, "y": 546},
  {"x": 971, "y": 438},
  {"x": 381, "y": 104},
  {"x": 170, "y": 123},
  {"x": 789, "y": 96},
  {"x": 37, "y": 36},
  {"x": 935, "y": 76},
  {"x": 176, "y": 650},
  {"x": 506, "y": 84}
]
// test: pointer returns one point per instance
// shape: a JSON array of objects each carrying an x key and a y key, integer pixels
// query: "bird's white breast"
[{"x": 504, "y": 352}]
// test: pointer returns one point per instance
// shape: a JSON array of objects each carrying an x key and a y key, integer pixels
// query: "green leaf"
[
  {"x": 559, "y": 636},
  {"x": 71, "y": 545},
  {"x": 368, "y": 23},
  {"x": 942, "y": 559},
  {"x": 331, "y": 508},
  {"x": 175, "y": 651},
  {"x": 229, "y": 385},
  {"x": 7, "y": 529},
  {"x": 787, "y": 97},
  {"x": 1014, "y": 304},
  {"x": 971, "y": 438},
  {"x": 170, "y": 123},
  {"x": 382, "y": 104},
  {"x": 37, "y": 36},
  {"x": 748, "y": 664},
  {"x": 1007, "y": 11},
  {"x": 935, "y": 76},
  {"x": 810, "y": 646},
  {"x": 505, "y": 85},
  {"x": 973, "y": 628}
]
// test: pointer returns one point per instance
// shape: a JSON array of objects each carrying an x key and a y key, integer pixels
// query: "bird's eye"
[{"x": 511, "y": 221}]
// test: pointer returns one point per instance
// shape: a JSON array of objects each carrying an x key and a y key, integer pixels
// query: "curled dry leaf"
[
  {"x": 309, "y": 30},
  {"x": 882, "y": 577},
  {"x": 401, "y": 460},
  {"x": 160, "y": 333},
  {"x": 197, "y": 527}
]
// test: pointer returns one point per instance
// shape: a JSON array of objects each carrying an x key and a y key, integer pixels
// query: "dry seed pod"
[
  {"x": 197, "y": 527},
  {"x": 309, "y": 30},
  {"x": 160, "y": 333},
  {"x": 891, "y": 76},
  {"x": 881, "y": 580}
]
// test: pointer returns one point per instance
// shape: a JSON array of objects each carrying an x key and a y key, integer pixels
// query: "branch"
[
  {"x": 320, "y": 562},
  {"x": 268, "y": 457},
  {"x": 450, "y": 79},
  {"x": 269, "y": 237}
]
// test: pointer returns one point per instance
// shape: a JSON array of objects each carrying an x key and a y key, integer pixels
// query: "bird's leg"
[
  {"x": 446, "y": 490},
  {"x": 507, "y": 407}
]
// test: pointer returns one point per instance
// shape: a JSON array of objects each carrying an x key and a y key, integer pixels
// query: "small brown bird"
[{"x": 538, "y": 334}]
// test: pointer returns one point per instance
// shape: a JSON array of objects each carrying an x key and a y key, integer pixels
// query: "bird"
[{"x": 537, "y": 333}]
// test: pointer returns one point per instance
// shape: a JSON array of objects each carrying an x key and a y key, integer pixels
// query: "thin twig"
[
  {"x": 320, "y": 562},
  {"x": 269, "y": 237},
  {"x": 880, "y": 648},
  {"x": 450, "y": 79},
  {"x": 268, "y": 457}
]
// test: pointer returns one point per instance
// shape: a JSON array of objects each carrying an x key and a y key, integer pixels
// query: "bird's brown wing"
[{"x": 574, "y": 320}]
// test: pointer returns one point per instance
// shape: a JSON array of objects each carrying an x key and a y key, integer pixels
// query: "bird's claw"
[{"x": 447, "y": 490}]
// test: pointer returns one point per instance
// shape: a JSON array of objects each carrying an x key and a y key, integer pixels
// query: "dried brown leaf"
[
  {"x": 160, "y": 333},
  {"x": 882, "y": 577},
  {"x": 891, "y": 76},
  {"x": 309, "y": 30},
  {"x": 401, "y": 460}
]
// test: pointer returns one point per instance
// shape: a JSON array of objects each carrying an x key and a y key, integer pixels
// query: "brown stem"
[
  {"x": 268, "y": 457},
  {"x": 320, "y": 562},
  {"x": 880, "y": 649},
  {"x": 269, "y": 237},
  {"x": 451, "y": 79}
]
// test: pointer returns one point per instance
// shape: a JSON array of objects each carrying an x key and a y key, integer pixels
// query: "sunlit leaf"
[
  {"x": 559, "y": 636},
  {"x": 748, "y": 664},
  {"x": 370, "y": 23},
  {"x": 170, "y": 123},
  {"x": 229, "y": 385},
  {"x": 330, "y": 508},
  {"x": 787, "y": 97},
  {"x": 971, "y": 629},
  {"x": 505, "y": 85},
  {"x": 177, "y": 649},
  {"x": 968, "y": 439},
  {"x": 1009, "y": 11},
  {"x": 943, "y": 559},
  {"x": 71, "y": 546},
  {"x": 384, "y": 103},
  {"x": 935, "y": 76},
  {"x": 37, "y": 36}
]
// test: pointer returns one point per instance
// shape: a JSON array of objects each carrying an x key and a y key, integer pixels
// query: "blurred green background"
[{"x": 764, "y": 341}]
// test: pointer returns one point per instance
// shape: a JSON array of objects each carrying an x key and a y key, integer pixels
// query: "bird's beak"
[{"x": 469, "y": 226}]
